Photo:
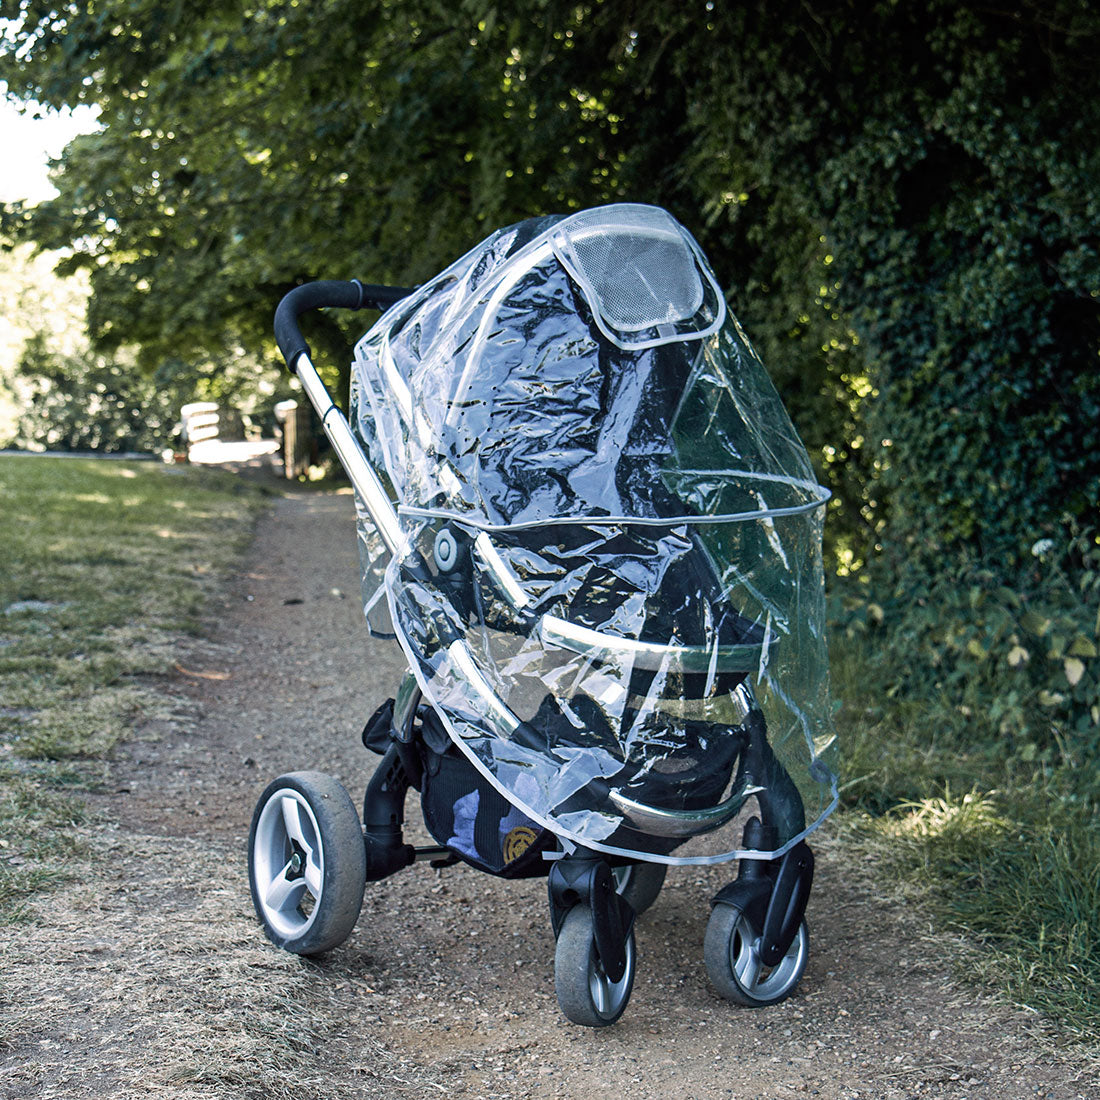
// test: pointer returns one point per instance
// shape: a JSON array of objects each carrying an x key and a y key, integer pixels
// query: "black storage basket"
[{"x": 476, "y": 822}]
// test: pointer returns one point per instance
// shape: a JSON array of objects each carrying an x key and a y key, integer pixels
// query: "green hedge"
[{"x": 1012, "y": 669}]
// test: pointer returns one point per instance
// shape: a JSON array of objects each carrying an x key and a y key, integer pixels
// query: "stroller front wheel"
[
  {"x": 307, "y": 863},
  {"x": 586, "y": 994},
  {"x": 730, "y": 951},
  {"x": 639, "y": 883}
]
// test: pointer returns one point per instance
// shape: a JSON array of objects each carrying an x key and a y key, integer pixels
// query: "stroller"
[{"x": 598, "y": 544}]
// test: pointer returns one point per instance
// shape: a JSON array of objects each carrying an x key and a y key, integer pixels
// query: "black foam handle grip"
[{"x": 319, "y": 295}]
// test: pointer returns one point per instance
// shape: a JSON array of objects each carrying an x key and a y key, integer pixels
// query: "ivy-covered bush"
[
  {"x": 965, "y": 219},
  {"x": 1012, "y": 669}
]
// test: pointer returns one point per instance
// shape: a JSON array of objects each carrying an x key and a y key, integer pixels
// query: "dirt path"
[{"x": 151, "y": 977}]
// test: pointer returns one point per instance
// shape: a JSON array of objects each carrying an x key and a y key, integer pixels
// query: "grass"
[
  {"x": 37, "y": 843},
  {"x": 106, "y": 564},
  {"x": 183, "y": 999},
  {"x": 1005, "y": 852}
]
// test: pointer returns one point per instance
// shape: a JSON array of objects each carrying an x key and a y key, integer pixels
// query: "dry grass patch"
[{"x": 152, "y": 978}]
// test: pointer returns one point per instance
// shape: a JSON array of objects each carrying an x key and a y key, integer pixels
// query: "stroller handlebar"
[
  {"x": 341, "y": 295},
  {"x": 327, "y": 292}
]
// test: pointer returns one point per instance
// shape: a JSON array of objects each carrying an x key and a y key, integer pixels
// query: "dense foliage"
[{"x": 902, "y": 201}]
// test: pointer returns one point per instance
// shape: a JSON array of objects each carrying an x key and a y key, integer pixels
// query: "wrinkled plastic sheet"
[{"x": 611, "y": 588}]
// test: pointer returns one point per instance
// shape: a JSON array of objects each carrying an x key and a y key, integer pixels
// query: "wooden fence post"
[{"x": 297, "y": 442}]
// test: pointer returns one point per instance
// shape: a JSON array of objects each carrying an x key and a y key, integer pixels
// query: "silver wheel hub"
[
  {"x": 288, "y": 863},
  {"x": 752, "y": 975},
  {"x": 608, "y": 997}
]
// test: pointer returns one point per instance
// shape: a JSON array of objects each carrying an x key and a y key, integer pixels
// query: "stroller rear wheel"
[
  {"x": 586, "y": 993},
  {"x": 639, "y": 883},
  {"x": 730, "y": 951},
  {"x": 306, "y": 862}
]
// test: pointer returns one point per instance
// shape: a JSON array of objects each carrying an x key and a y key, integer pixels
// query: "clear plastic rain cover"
[{"x": 611, "y": 588}]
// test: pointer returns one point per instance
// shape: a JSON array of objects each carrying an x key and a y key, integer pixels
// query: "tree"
[
  {"x": 34, "y": 302},
  {"x": 901, "y": 201},
  {"x": 93, "y": 403}
]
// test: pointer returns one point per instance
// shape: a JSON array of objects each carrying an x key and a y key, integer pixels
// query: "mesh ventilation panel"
[{"x": 640, "y": 274}]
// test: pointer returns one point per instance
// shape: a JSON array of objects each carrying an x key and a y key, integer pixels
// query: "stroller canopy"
[{"x": 613, "y": 533}]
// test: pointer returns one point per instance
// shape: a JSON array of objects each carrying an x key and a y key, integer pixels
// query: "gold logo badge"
[{"x": 518, "y": 841}]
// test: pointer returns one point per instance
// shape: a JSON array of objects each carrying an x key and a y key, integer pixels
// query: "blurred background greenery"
[{"x": 902, "y": 202}]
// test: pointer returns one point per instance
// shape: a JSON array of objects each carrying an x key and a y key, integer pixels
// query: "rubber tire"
[
  {"x": 722, "y": 927},
  {"x": 343, "y": 861},
  {"x": 643, "y": 884},
  {"x": 574, "y": 960}
]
